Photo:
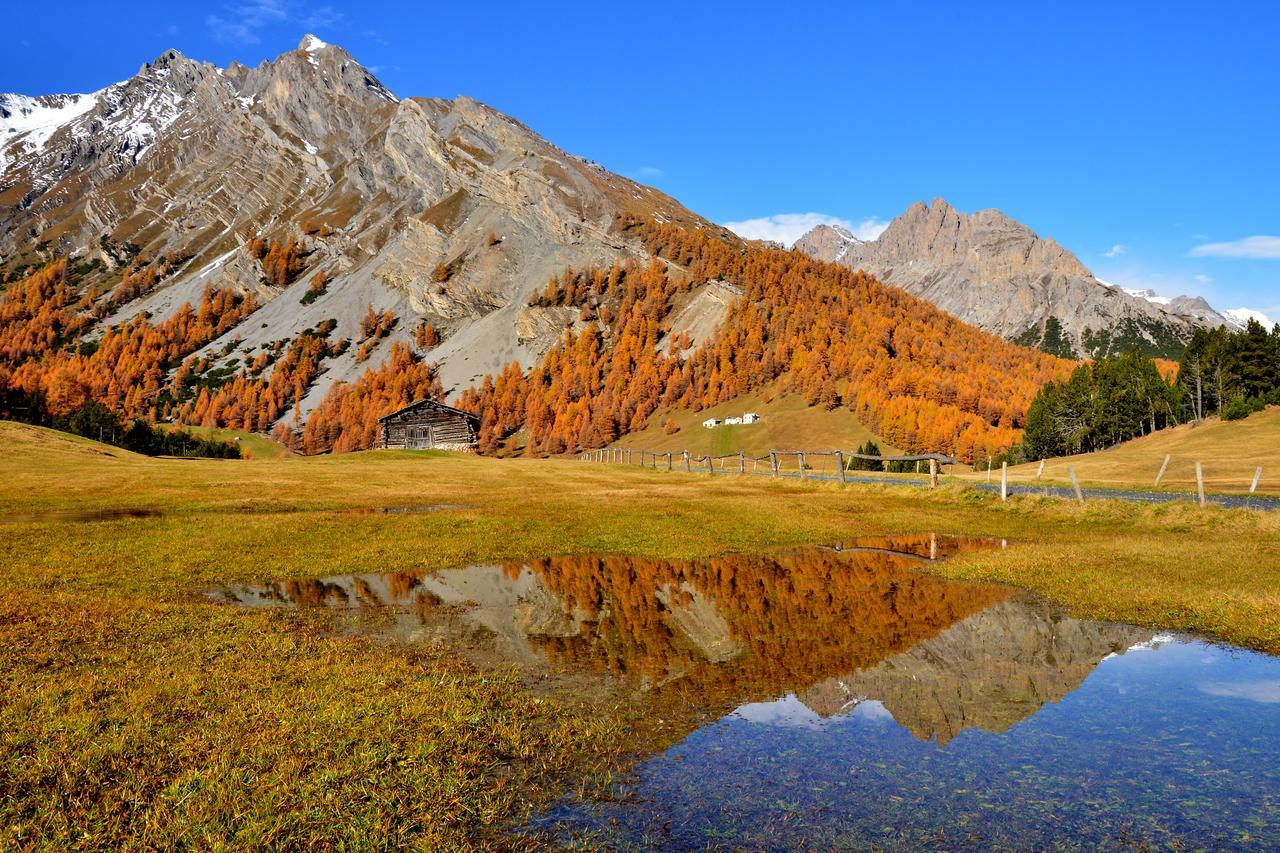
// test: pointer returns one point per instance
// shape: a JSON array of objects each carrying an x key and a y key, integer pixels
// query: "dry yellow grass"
[
  {"x": 1229, "y": 451},
  {"x": 138, "y": 713}
]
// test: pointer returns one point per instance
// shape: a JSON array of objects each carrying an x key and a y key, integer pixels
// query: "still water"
[{"x": 842, "y": 698}]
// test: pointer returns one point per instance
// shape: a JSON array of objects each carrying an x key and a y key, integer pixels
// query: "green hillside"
[{"x": 786, "y": 423}]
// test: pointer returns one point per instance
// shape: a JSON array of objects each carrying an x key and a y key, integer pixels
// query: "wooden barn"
[{"x": 426, "y": 425}]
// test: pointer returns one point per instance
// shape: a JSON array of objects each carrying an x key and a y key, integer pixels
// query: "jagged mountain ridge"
[
  {"x": 440, "y": 209},
  {"x": 995, "y": 273}
]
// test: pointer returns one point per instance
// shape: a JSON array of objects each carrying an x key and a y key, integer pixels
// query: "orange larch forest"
[{"x": 914, "y": 375}]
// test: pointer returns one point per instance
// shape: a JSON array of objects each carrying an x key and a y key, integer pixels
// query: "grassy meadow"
[
  {"x": 253, "y": 445},
  {"x": 786, "y": 423},
  {"x": 1229, "y": 452},
  {"x": 137, "y": 713}
]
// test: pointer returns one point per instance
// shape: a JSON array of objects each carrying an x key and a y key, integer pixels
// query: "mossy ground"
[{"x": 137, "y": 713}]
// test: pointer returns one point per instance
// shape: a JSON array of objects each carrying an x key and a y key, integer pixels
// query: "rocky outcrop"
[
  {"x": 701, "y": 314},
  {"x": 988, "y": 270},
  {"x": 445, "y": 210}
]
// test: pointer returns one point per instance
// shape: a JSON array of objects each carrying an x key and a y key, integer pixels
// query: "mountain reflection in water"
[
  {"x": 833, "y": 626},
  {"x": 840, "y": 697}
]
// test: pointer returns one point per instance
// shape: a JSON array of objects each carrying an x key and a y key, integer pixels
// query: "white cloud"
[
  {"x": 1265, "y": 692},
  {"x": 240, "y": 23},
  {"x": 1201, "y": 278},
  {"x": 1116, "y": 251},
  {"x": 243, "y": 20},
  {"x": 786, "y": 228},
  {"x": 650, "y": 172},
  {"x": 1259, "y": 246},
  {"x": 322, "y": 18}
]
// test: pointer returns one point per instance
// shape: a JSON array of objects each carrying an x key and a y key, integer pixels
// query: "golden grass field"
[
  {"x": 1229, "y": 452},
  {"x": 136, "y": 713}
]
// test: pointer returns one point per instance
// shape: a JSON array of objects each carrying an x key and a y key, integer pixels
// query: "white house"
[
  {"x": 728, "y": 421},
  {"x": 711, "y": 423},
  {"x": 750, "y": 418}
]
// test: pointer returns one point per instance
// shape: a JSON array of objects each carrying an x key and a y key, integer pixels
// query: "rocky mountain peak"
[
  {"x": 167, "y": 59},
  {"x": 996, "y": 273},
  {"x": 311, "y": 44},
  {"x": 436, "y": 210}
]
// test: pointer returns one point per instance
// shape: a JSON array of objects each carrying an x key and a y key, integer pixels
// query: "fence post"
[
  {"x": 1200, "y": 483},
  {"x": 742, "y": 462},
  {"x": 840, "y": 465},
  {"x": 1004, "y": 481},
  {"x": 1164, "y": 466},
  {"x": 804, "y": 473},
  {"x": 686, "y": 461},
  {"x": 1040, "y": 470},
  {"x": 773, "y": 461},
  {"x": 988, "y": 469},
  {"x": 1075, "y": 484},
  {"x": 933, "y": 473},
  {"x": 668, "y": 460},
  {"x": 1257, "y": 475}
]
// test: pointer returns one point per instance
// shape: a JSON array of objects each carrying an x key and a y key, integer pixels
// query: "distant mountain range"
[
  {"x": 988, "y": 270},
  {"x": 1232, "y": 318}
]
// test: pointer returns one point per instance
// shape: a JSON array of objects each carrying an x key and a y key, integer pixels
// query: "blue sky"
[{"x": 1135, "y": 134}]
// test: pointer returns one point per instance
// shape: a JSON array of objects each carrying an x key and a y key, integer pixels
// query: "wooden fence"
[
  {"x": 834, "y": 465},
  {"x": 805, "y": 464}
]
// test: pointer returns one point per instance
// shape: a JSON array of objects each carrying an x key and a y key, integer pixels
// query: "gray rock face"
[
  {"x": 995, "y": 273},
  {"x": 444, "y": 210}
]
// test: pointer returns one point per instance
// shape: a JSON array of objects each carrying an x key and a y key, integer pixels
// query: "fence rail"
[
  {"x": 834, "y": 465},
  {"x": 781, "y": 463}
]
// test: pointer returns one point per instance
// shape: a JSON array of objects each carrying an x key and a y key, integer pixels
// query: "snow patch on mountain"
[
  {"x": 1238, "y": 318},
  {"x": 1147, "y": 294},
  {"x": 27, "y": 123}
]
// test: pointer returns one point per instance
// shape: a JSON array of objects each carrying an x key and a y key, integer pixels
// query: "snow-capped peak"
[
  {"x": 311, "y": 44},
  {"x": 1238, "y": 318}
]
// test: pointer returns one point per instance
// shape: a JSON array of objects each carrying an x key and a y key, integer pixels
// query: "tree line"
[
  {"x": 1114, "y": 399},
  {"x": 92, "y": 419}
]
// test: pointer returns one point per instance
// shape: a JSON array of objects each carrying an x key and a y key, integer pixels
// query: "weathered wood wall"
[{"x": 428, "y": 427}]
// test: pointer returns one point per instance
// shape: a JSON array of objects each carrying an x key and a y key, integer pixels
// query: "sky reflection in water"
[{"x": 859, "y": 702}]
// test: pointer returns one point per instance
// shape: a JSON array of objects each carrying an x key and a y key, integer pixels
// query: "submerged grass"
[{"x": 136, "y": 713}]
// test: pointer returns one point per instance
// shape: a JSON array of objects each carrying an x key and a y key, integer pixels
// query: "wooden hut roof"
[{"x": 432, "y": 404}]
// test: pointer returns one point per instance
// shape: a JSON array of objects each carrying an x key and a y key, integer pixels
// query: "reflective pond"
[
  {"x": 841, "y": 698},
  {"x": 79, "y": 515}
]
